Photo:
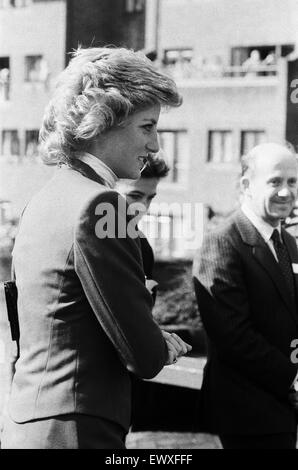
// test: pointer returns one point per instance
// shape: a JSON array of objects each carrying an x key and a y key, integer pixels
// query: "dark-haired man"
[{"x": 142, "y": 192}]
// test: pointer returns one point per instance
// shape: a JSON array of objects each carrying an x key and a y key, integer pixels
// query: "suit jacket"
[
  {"x": 250, "y": 321},
  {"x": 147, "y": 257},
  {"x": 84, "y": 311}
]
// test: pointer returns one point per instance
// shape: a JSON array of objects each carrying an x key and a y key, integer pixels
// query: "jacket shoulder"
[{"x": 224, "y": 231}]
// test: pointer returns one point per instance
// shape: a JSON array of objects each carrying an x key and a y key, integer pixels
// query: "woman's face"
[{"x": 124, "y": 148}]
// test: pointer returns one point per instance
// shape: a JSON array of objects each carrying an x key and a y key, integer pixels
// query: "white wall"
[{"x": 39, "y": 29}]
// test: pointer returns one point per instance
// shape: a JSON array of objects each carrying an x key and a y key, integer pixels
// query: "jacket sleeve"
[
  {"x": 225, "y": 310},
  {"x": 110, "y": 271}
]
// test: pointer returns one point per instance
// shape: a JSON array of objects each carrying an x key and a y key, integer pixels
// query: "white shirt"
[
  {"x": 100, "y": 168},
  {"x": 266, "y": 231}
]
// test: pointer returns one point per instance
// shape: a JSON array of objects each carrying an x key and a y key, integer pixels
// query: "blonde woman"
[{"x": 84, "y": 311}]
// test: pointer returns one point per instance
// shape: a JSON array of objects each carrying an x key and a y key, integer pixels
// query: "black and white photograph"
[{"x": 148, "y": 227}]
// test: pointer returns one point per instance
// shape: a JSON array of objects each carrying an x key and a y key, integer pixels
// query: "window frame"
[
  {"x": 16, "y": 131},
  {"x": 243, "y": 132},
  {"x": 211, "y": 132},
  {"x": 132, "y": 7},
  {"x": 27, "y": 71},
  {"x": 173, "y": 176},
  {"x": 180, "y": 58}
]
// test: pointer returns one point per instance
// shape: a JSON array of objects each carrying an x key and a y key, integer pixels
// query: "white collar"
[
  {"x": 265, "y": 229},
  {"x": 99, "y": 167}
]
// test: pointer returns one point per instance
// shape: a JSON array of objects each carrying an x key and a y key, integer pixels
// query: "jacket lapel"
[
  {"x": 264, "y": 257},
  {"x": 293, "y": 253},
  {"x": 86, "y": 171}
]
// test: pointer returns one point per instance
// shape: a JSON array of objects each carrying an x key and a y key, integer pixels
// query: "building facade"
[
  {"x": 235, "y": 65},
  {"x": 36, "y": 37}
]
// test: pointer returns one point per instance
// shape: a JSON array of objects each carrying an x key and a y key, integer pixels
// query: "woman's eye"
[{"x": 148, "y": 127}]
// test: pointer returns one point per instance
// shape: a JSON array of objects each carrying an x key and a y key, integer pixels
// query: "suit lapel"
[
  {"x": 265, "y": 258},
  {"x": 293, "y": 253}
]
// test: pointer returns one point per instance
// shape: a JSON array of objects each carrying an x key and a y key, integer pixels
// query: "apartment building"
[
  {"x": 36, "y": 37},
  {"x": 235, "y": 65}
]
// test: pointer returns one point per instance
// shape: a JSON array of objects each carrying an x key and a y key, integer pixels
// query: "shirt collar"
[
  {"x": 100, "y": 168},
  {"x": 265, "y": 229}
]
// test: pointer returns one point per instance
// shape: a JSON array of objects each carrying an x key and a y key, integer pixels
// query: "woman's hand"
[{"x": 176, "y": 347}]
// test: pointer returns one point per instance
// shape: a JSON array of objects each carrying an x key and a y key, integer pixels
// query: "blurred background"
[{"x": 236, "y": 65}]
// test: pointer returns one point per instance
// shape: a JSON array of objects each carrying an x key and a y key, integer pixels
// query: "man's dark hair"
[{"x": 156, "y": 167}]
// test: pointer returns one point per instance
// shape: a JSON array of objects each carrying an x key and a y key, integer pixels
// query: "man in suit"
[{"x": 246, "y": 283}]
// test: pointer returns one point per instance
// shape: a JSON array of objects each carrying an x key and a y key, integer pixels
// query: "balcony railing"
[{"x": 184, "y": 71}]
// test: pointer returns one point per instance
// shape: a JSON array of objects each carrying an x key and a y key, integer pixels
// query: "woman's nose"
[{"x": 153, "y": 144}]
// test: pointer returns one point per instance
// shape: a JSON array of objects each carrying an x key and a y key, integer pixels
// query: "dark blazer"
[
  {"x": 84, "y": 311},
  {"x": 250, "y": 321},
  {"x": 147, "y": 257}
]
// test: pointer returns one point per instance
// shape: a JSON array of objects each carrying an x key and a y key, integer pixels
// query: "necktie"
[{"x": 283, "y": 261}]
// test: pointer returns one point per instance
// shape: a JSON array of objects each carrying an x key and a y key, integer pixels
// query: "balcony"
[{"x": 210, "y": 75}]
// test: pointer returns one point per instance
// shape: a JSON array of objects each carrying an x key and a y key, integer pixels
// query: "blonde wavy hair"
[{"x": 98, "y": 90}]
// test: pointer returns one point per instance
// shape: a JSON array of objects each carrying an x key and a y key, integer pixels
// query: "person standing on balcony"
[
  {"x": 246, "y": 283},
  {"x": 84, "y": 310},
  {"x": 252, "y": 65}
]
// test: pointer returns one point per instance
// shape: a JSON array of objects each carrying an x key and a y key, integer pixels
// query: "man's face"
[
  {"x": 271, "y": 188},
  {"x": 141, "y": 191}
]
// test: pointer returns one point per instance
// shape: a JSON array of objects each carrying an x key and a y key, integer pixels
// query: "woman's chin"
[{"x": 133, "y": 175}]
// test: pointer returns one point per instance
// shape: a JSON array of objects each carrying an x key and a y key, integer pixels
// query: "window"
[
  {"x": 174, "y": 56},
  {"x": 220, "y": 147},
  {"x": 31, "y": 143},
  {"x": 22, "y": 3},
  {"x": 36, "y": 69},
  {"x": 250, "y": 139},
  {"x": 14, "y": 3},
  {"x": 175, "y": 147},
  {"x": 4, "y": 78},
  {"x": 258, "y": 60},
  {"x": 168, "y": 232},
  {"x": 178, "y": 62},
  {"x": 159, "y": 228},
  {"x": 134, "y": 6},
  {"x": 6, "y": 213},
  {"x": 10, "y": 143},
  {"x": 240, "y": 54}
]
